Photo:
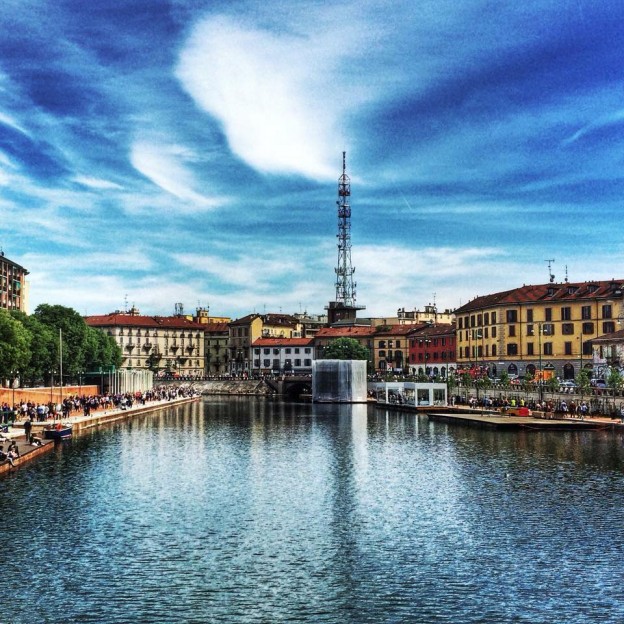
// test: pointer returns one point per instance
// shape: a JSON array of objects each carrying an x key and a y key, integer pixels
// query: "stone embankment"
[{"x": 232, "y": 387}]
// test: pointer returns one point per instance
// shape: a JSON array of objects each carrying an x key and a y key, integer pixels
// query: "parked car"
[
  {"x": 598, "y": 383},
  {"x": 568, "y": 383}
]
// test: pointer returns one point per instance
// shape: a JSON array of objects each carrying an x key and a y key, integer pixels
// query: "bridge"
[{"x": 291, "y": 387}]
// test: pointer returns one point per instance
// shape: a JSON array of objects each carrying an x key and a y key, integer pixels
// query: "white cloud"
[
  {"x": 278, "y": 96},
  {"x": 164, "y": 166},
  {"x": 96, "y": 183}
]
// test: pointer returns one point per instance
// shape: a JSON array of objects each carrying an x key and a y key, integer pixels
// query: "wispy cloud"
[{"x": 164, "y": 166}]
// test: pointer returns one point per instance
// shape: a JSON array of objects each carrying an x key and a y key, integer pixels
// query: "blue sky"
[{"x": 188, "y": 151}]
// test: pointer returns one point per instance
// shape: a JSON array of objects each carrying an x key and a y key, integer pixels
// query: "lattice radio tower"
[
  {"x": 344, "y": 307},
  {"x": 345, "y": 286}
]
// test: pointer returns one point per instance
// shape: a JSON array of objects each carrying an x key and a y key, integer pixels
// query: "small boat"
[{"x": 58, "y": 432}]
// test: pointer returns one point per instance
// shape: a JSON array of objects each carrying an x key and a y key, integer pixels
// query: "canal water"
[{"x": 243, "y": 510}]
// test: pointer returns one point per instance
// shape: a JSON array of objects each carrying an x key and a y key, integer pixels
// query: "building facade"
[
  {"x": 163, "y": 344},
  {"x": 13, "y": 285},
  {"x": 432, "y": 350},
  {"x": 282, "y": 356},
  {"x": 363, "y": 334},
  {"x": 245, "y": 331},
  {"x": 391, "y": 348},
  {"x": 537, "y": 331}
]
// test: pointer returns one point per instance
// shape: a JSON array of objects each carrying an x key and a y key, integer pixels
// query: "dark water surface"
[{"x": 241, "y": 510}]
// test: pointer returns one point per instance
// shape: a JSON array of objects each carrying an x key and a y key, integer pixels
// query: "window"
[
  {"x": 307, "y": 362},
  {"x": 512, "y": 348},
  {"x": 493, "y": 350},
  {"x": 512, "y": 316},
  {"x": 608, "y": 327},
  {"x": 287, "y": 349},
  {"x": 276, "y": 364},
  {"x": 297, "y": 362},
  {"x": 588, "y": 328},
  {"x": 548, "y": 329},
  {"x": 606, "y": 311},
  {"x": 461, "y": 323},
  {"x": 548, "y": 348},
  {"x": 485, "y": 333},
  {"x": 493, "y": 333},
  {"x": 530, "y": 315},
  {"x": 389, "y": 344},
  {"x": 256, "y": 351},
  {"x": 493, "y": 318},
  {"x": 266, "y": 363},
  {"x": 530, "y": 348},
  {"x": 586, "y": 312},
  {"x": 566, "y": 313},
  {"x": 382, "y": 344},
  {"x": 567, "y": 329},
  {"x": 256, "y": 363},
  {"x": 567, "y": 348},
  {"x": 530, "y": 330},
  {"x": 512, "y": 330},
  {"x": 479, "y": 320},
  {"x": 296, "y": 349},
  {"x": 307, "y": 350},
  {"x": 382, "y": 353},
  {"x": 275, "y": 351},
  {"x": 548, "y": 314},
  {"x": 587, "y": 348},
  {"x": 486, "y": 318}
]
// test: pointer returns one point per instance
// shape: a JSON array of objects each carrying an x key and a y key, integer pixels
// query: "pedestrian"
[{"x": 27, "y": 427}]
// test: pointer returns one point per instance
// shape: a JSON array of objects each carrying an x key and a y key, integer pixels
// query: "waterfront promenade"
[{"x": 80, "y": 424}]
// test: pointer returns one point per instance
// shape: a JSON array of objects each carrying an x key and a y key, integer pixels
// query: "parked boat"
[{"x": 58, "y": 432}]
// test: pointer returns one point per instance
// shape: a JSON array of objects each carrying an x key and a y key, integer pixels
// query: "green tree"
[
  {"x": 43, "y": 348},
  {"x": 68, "y": 324},
  {"x": 15, "y": 342},
  {"x": 615, "y": 380},
  {"x": 345, "y": 349},
  {"x": 583, "y": 382},
  {"x": 504, "y": 380}
]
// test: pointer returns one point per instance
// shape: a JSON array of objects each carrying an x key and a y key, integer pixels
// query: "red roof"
[
  {"x": 282, "y": 342},
  {"x": 545, "y": 293},
  {"x": 134, "y": 320},
  {"x": 345, "y": 332}
]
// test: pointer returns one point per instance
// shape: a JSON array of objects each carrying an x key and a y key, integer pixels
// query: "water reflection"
[{"x": 246, "y": 510}]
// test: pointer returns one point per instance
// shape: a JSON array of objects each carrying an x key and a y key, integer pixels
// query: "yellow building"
[
  {"x": 246, "y": 330},
  {"x": 537, "y": 330}
]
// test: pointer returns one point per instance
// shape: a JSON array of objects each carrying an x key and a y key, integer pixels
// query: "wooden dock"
[{"x": 496, "y": 420}]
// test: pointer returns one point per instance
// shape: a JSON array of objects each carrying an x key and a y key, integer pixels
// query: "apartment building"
[
  {"x": 171, "y": 344},
  {"x": 538, "y": 330},
  {"x": 13, "y": 285},
  {"x": 286, "y": 356}
]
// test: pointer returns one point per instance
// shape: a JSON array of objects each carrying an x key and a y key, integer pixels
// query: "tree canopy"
[
  {"x": 31, "y": 344},
  {"x": 345, "y": 349}
]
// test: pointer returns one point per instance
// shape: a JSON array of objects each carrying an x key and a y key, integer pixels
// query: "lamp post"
[
  {"x": 80, "y": 374},
  {"x": 541, "y": 372},
  {"x": 52, "y": 373},
  {"x": 14, "y": 376}
]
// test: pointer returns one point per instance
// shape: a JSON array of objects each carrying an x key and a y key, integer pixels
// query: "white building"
[{"x": 289, "y": 356}]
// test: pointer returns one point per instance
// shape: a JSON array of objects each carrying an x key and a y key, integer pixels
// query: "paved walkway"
[{"x": 80, "y": 422}]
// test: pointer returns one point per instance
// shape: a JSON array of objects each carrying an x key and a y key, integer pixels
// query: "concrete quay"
[
  {"x": 80, "y": 425},
  {"x": 498, "y": 420}
]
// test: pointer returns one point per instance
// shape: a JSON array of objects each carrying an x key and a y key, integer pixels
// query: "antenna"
[
  {"x": 550, "y": 273},
  {"x": 566, "y": 273},
  {"x": 125, "y": 303}
]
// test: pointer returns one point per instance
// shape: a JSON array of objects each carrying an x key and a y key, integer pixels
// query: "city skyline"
[{"x": 190, "y": 152}]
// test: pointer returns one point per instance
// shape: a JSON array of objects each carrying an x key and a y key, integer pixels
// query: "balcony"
[{"x": 130, "y": 346}]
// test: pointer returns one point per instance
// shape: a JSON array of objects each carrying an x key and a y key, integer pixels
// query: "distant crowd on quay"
[{"x": 85, "y": 405}]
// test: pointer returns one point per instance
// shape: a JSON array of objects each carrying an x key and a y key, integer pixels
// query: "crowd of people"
[{"x": 74, "y": 405}]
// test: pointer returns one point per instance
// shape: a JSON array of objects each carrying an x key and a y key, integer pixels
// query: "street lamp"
[
  {"x": 14, "y": 376},
  {"x": 80, "y": 374},
  {"x": 541, "y": 372},
  {"x": 52, "y": 373}
]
